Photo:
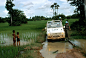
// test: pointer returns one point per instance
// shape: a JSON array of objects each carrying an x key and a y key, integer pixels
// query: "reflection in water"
[
  {"x": 59, "y": 47},
  {"x": 80, "y": 43}
]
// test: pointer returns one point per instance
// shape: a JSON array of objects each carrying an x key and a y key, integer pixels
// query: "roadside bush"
[{"x": 80, "y": 27}]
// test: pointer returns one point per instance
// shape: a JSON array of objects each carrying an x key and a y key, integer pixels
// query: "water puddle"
[
  {"x": 80, "y": 42},
  {"x": 51, "y": 49}
]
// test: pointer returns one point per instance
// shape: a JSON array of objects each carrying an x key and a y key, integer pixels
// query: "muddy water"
[
  {"x": 51, "y": 49},
  {"x": 9, "y": 41},
  {"x": 80, "y": 42}
]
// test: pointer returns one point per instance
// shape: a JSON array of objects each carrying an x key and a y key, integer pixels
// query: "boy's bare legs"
[
  {"x": 15, "y": 43},
  {"x": 19, "y": 43}
]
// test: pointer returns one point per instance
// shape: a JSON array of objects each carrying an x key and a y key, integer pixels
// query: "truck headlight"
[
  {"x": 62, "y": 32},
  {"x": 49, "y": 34}
]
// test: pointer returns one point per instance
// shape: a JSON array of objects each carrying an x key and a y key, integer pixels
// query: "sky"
[{"x": 33, "y": 8}]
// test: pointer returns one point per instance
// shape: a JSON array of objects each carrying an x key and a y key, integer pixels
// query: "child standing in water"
[
  {"x": 14, "y": 38},
  {"x": 18, "y": 39}
]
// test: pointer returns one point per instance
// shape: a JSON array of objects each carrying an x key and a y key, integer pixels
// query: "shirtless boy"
[{"x": 14, "y": 38}]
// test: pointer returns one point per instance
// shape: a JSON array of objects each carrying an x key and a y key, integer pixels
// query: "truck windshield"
[{"x": 54, "y": 24}]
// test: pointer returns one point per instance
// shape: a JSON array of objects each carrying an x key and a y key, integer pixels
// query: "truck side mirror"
[{"x": 63, "y": 26}]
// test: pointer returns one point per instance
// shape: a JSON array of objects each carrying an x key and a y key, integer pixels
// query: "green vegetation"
[
  {"x": 80, "y": 25},
  {"x": 8, "y": 52},
  {"x": 16, "y": 52},
  {"x": 77, "y": 35},
  {"x": 28, "y": 31},
  {"x": 18, "y": 18},
  {"x": 30, "y": 26},
  {"x": 31, "y": 30}
]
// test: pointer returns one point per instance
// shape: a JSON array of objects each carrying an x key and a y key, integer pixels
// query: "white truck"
[{"x": 54, "y": 30}]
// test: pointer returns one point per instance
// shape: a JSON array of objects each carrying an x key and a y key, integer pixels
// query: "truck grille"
[{"x": 56, "y": 36}]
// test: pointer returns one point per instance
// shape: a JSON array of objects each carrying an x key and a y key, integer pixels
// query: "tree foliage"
[
  {"x": 57, "y": 17},
  {"x": 55, "y": 7},
  {"x": 3, "y": 20},
  {"x": 79, "y": 7},
  {"x": 74, "y": 16},
  {"x": 18, "y": 18},
  {"x": 38, "y": 18},
  {"x": 9, "y": 6}
]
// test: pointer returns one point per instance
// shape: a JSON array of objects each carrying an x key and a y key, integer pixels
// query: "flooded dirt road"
[
  {"x": 51, "y": 49},
  {"x": 62, "y": 49}
]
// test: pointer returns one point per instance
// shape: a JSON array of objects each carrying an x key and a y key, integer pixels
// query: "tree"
[
  {"x": 9, "y": 7},
  {"x": 68, "y": 17},
  {"x": 52, "y": 6},
  {"x": 18, "y": 18},
  {"x": 80, "y": 9},
  {"x": 55, "y": 7}
]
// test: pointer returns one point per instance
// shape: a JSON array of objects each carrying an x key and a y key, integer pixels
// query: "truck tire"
[{"x": 63, "y": 39}]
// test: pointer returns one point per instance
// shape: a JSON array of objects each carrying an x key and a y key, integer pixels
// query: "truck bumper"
[{"x": 55, "y": 37}]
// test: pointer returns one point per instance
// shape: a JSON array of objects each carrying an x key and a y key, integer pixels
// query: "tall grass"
[{"x": 8, "y": 52}]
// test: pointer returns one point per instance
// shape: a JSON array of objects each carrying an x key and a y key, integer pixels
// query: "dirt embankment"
[{"x": 73, "y": 53}]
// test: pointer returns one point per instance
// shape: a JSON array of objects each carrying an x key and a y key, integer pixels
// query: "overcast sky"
[{"x": 38, "y": 7}]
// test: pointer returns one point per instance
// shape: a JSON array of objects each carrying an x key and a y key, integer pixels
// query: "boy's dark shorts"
[{"x": 18, "y": 39}]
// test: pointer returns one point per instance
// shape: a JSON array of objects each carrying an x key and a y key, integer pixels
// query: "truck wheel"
[{"x": 63, "y": 39}]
